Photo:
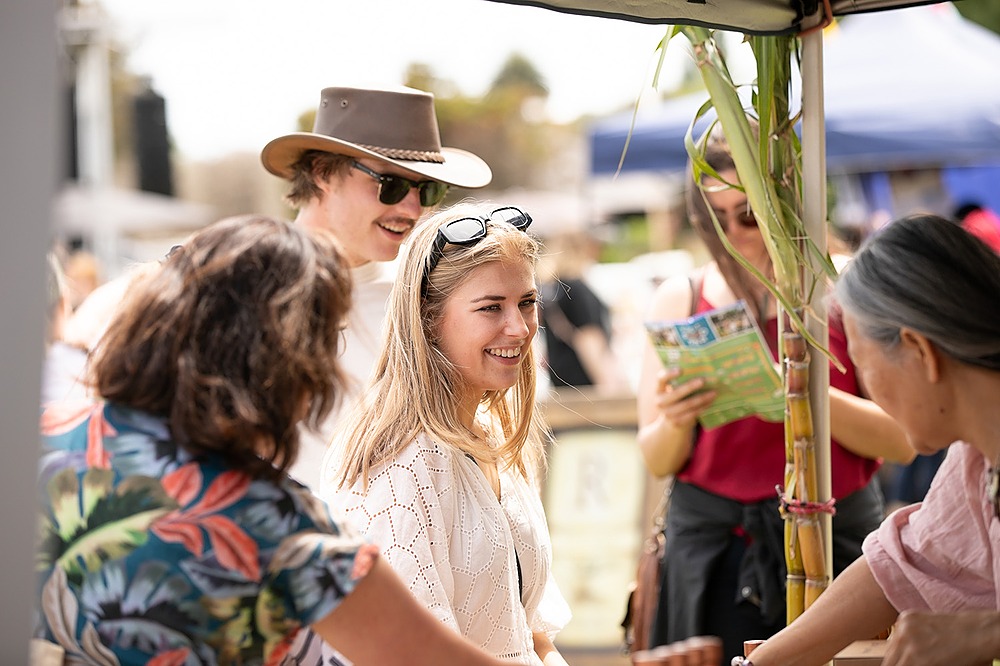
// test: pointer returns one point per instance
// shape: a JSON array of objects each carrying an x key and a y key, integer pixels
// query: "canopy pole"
[{"x": 814, "y": 217}]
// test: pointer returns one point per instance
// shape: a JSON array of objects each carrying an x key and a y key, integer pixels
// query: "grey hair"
[{"x": 927, "y": 274}]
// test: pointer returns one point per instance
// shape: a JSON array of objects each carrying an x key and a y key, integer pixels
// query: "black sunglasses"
[
  {"x": 744, "y": 218},
  {"x": 467, "y": 231},
  {"x": 393, "y": 189}
]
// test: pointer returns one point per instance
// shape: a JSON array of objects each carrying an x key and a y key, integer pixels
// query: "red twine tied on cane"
[{"x": 801, "y": 508}]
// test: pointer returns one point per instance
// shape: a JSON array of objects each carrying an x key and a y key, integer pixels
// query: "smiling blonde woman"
[{"x": 438, "y": 464}]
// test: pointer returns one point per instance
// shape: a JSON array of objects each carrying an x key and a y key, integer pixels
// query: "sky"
[{"x": 237, "y": 73}]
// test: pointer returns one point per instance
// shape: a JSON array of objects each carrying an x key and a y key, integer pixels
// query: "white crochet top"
[{"x": 437, "y": 520}]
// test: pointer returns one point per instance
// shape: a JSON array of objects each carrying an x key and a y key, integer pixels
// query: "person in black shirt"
[{"x": 576, "y": 322}]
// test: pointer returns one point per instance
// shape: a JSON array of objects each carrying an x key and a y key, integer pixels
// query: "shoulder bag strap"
[{"x": 695, "y": 279}]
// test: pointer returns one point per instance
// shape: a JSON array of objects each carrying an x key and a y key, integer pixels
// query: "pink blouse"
[{"x": 942, "y": 555}]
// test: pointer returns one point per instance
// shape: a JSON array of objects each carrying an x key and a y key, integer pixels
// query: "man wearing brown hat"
[{"x": 371, "y": 167}]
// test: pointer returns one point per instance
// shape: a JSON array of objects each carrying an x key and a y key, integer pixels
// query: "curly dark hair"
[{"x": 234, "y": 340}]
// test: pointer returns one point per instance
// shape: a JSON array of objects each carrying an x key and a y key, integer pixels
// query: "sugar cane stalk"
[
  {"x": 767, "y": 166},
  {"x": 805, "y": 553}
]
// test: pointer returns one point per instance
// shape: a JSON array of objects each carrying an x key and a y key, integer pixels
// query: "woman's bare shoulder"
[{"x": 672, "y": 298}]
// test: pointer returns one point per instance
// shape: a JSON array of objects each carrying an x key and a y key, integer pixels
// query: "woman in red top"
[{"x": 724, "y": 573}]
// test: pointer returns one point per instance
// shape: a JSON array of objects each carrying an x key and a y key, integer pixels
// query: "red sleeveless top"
[{"x": 745, "y": 460}]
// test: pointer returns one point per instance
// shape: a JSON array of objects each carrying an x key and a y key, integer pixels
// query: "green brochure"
[{"x": 726, "y": 348}]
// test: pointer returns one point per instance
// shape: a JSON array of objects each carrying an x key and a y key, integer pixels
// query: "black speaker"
[
  {"x": 70, "y": 137},
  {"x": 152, "y": 147}
]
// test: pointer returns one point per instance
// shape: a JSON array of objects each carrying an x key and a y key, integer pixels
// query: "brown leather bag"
[{"x": 644, "y": 593}]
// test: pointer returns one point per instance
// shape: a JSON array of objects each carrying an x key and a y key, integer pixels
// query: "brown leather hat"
[{"x": 398, "y": 126}]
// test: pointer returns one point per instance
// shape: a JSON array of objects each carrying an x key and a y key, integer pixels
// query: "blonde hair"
[{"x": 415, "y": 386}]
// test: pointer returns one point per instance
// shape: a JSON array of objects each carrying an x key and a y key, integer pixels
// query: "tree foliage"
[
  {"x": 506, "y": 126},
  {"x": 519, "y": 74},
  {"x": 986, "y": 14}
]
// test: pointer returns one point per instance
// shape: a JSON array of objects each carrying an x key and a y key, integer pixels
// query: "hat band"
[{"x": 404, "y": 154}]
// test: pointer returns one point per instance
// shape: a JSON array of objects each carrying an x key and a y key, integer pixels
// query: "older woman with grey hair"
[{"x": 920, "y": 307}]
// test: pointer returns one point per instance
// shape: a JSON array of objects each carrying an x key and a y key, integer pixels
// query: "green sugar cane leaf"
[
  {"x": 747, "y": 157},
  {"x": 772, "y": 188},
  {"x": 782, "y": 246},
  {"x": 671, "y": 32},
  {"x": 662, "y": 48},
  {"x": 696, "y": 150}
]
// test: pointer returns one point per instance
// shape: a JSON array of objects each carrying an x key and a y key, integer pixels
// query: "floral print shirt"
[{"x": 149, "y": 555}]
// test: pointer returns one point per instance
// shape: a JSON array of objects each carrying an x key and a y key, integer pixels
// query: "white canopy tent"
[
  {"x": 126, "y": 226},
  {"x": 761, "y": 17}
]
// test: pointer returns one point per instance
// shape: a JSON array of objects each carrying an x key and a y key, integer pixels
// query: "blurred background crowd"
[{"x": 613, "y": 226}]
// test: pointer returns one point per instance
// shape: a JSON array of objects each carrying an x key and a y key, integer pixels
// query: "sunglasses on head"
[
  {"x": 467, "y": 231},
  {"x": 393, "y": 189}
]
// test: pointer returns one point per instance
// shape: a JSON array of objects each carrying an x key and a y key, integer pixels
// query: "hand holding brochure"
[{"x": 726, "y": 348}]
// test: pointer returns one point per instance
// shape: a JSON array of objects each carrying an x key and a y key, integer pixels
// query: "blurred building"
[{"x": 117, "y": 197}]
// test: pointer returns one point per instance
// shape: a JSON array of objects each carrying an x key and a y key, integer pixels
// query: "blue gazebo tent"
[{"x": 912, "y": 88}]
